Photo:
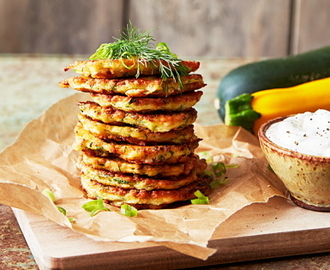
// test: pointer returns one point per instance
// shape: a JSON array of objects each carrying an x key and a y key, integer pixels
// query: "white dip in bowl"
[{"x": 306, "y": 133}]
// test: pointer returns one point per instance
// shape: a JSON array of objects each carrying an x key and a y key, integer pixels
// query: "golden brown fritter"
[
  {"x": 156, "y": 154},
  {"x": 136, "y": 135},
  {"x": 133, "y": 104},
  {"x": 129, "y": 181},
  {"x": 157, "y": 122},
  {"x": 141, "y": 198},
  {"x": 122, "y": 166},
  {"x": 117, "y": 68},
  {"x": 144, "y": 86}
]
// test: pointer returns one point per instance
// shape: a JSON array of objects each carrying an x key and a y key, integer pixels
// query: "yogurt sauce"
[{"x": 306, "y": 133}]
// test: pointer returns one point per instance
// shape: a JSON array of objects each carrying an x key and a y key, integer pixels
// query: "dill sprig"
[{"x": 135, "y": 43}]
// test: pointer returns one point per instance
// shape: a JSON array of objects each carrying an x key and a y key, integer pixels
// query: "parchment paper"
[{"x": 42, "y": 157}]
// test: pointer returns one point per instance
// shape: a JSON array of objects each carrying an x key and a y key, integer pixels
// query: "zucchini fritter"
[
  {"x": 122, "y": 166},
  {"x": 150, "y": 86},
  {"x": 129, "y": 181},
  {"x": 136, "y": 135},
  {"x": 117, "y": 68},
  {"x": 141, "y": 198},
  {"x": 157, "y": 122},
  {"x": 155, "y": 154},
  {"x": 133, "y": 104}
]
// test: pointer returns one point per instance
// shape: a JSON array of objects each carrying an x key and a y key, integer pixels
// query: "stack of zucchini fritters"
[{"x": 136, "y": 136}]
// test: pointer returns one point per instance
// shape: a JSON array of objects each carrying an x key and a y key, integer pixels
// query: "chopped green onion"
[
  {"x": 217, "y": 173},
  {"x": 71, "y": 219},
  {"x": 199, "y": 194},
  {"x": 96, "y": 211},
  {"x": 46, "y": 192},
  {"x": 270, "y": 168},
  {"x": 219, "y": 169},
  {"x": 94, "y": 207},
  {"x": 200, "y": 201},
  {"x": 91, "y": 205},
  {"x": 219, "y": 181},
  {"x": 49, "y": 194},
  {"x": 231, "y": 166},
  {"x": 206, "y": 155},
  {"x": 201, "y": 198},
  {"x": 163, "y": 47},
  {"x": 128, "y": 210},
  {"x": 62, "y": 210},
  {"x": 126, "y": 55}
]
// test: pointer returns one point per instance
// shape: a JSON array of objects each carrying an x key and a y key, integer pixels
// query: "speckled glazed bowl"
[{"x": 306, "y": 177}]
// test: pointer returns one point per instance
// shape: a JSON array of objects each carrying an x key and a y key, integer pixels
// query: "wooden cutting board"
[{"x": 266, "y": 230}]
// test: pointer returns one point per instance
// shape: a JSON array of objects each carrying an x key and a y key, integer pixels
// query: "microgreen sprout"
[{"x": 94, "y": 207}]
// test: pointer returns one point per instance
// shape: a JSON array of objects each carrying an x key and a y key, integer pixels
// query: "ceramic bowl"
[{"x": 306, "y": 177}]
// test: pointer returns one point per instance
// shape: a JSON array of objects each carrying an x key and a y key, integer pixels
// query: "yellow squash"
[{"x": 252, "y": 110}]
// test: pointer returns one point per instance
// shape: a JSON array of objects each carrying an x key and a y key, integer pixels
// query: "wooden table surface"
[{"x": 28, "y": 85}]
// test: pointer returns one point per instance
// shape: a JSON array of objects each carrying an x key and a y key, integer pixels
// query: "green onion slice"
[
  {"x": 163, "y": 47},
  {"x": 219, "y": 169},
  {"x": 48, "y": 193},
  {"x": 62, "y": 210},
  {"x": 201, "y": 198},
  {"x": 206, "y": 155},
  {"x": 128, "y": 210},
  {"x": 94, "y": 207}
]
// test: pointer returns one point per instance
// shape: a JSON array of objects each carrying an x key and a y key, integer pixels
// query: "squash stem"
[{"x": 239, "y": 112}]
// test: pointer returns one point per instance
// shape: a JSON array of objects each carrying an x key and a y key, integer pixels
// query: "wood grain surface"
[
  {"x": 58, "y": 26},
  {"x": 212, "y": 28},
  {"x": 33, "y": 77},
  {"x": 270, "y": 230},
  {"x": 310, "y": 19}
]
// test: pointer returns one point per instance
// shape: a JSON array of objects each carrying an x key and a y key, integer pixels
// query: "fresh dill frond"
[{"x": 135, "y": 43}]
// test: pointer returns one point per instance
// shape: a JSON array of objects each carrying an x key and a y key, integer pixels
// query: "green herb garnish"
[
  {"x": 62, "y": 210},
  {"x": 201, "y": 198},
  {"x": 216, "y": 170},
  {"x": 128, "y": 210},
  {"x": 49, "y": 194},
  {"x": 206, "y": 155},
  {"x": 217, "y": 173},
  {"x": 135, "y": 43},
  {"x": 95, "y": 207},
  {"x": 270, "y": 168}
]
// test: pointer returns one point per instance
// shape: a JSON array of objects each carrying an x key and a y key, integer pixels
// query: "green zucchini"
[{"x": 273, "y": 73}]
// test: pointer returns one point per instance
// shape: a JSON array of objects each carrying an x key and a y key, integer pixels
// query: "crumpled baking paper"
[{"x": 42, "y": 157}]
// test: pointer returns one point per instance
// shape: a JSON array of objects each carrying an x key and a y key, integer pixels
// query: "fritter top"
[{"x": 118, "y": 68}]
